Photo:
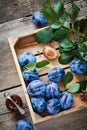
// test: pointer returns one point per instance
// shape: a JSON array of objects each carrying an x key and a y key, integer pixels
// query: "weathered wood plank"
[
  {"x": 37, "y": 4},
  {"x": 73, "y": 121},
  {"x": 13, "y": 9},
  {"x": 7, "y": 78}
]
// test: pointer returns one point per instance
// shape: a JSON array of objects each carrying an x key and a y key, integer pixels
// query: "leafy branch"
[
  {"x": 60, "y": 29},
  {"x": 64, "y": 22}
]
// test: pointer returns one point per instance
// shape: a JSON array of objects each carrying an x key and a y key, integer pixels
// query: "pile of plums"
[{"x": 47, "y": 96}]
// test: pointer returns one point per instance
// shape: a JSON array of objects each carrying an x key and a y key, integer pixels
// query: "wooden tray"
[{"x": 26, "y": 42}]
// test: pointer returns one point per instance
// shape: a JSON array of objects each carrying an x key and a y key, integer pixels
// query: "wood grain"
[
  {"x": 73, "y": 121},
  {"x": 13, "y": 9}
]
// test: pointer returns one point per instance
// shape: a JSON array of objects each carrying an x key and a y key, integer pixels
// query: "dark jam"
[{"x": 10, "y": 104}]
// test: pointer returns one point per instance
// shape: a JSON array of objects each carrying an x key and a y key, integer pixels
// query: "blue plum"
[
  {"x": 53, "y": 106},
  {"x": 25, "y": 58},
  {"x": 39, "y": 19},
  {"x": 38, "y": 104},
  {"x": 52, "y": 90},
  {"x": 78, "y": 67},
  {"x": 66, "y": 100},
  {"x": 36, "y": 88},
  {"x": 30, "y": 75},
  {"x": 24, "y": 125},
  {"x": 56, "y": 74}
]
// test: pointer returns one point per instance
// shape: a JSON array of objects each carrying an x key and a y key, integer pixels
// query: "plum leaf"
[
  {"x": 61, "y": 33},
  {"x": 31, "y": 66},
  {"x": 73, "y": 12},
  {"x": 48, "y": 12},
  {"x": 44, "y": 35},
  {"x": 68, "y": 78},
  {"x": 73, "y": 88},
  {"x": 42, "y": 63},
  {"x": 65, "y": 57}
]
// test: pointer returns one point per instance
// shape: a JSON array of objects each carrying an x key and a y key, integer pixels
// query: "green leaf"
[
  {"x": 78, "y": 86},
  {"x": 67, "y": 43},
  {"x": 78, "y": 54},
  {"x": 74, "y": 88},
  {"x": 73, "y": 12},
  {"x": 61, "y": 33},
  {"x": 64, "y": 15},
  {"x": 56, "y": 25},
  {"x": 61, "y": 21},
  {"x": 60, "y": 10},
  {"x": 44, "y": 36},
  {"x": 61, "y": 50},
  {"x": 83, "y": 54},
  {"x": 66, "y": 25},
  {"x": 42, "y": 63},
  {"x": 59, "y": 6},
  {"x": 68, "y": 78},
  {"x": 65, "y": 58},
  {"x": 83, "y": 38},
  {"x": 31, "y": 65},
  {"x": 84, "y": 35},
  {"x": 83, "y": 85},
  {"x": 49, "y": 13},
  {"x": 82, "y": 48}
]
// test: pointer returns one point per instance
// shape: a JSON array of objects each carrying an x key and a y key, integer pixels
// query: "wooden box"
[{"x": 26, "y": 42}]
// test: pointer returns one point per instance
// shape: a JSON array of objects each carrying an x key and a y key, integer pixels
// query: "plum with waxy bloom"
[
  {"x": 25, "y": 58},
  {"x": 24, "y": 125}
]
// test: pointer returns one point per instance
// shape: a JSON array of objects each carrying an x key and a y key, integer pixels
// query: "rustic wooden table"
[{"x": 9, "y": 80}]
